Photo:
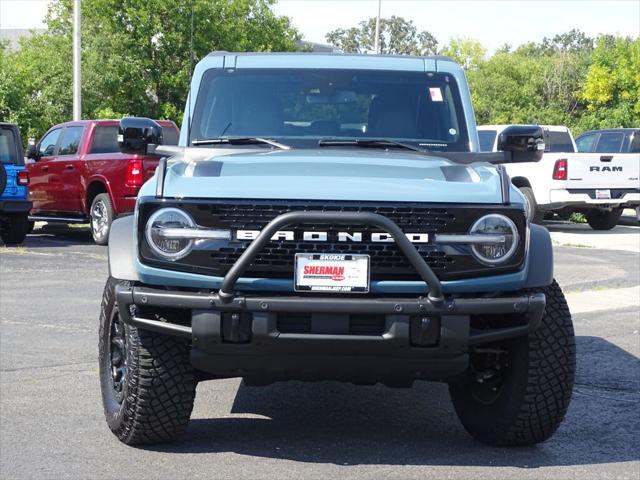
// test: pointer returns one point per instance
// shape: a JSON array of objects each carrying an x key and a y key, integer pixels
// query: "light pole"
[
  {"x": 77, "y": 91},
  {"x": 377, "y": 41}
]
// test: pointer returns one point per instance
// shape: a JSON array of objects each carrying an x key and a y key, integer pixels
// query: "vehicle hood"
[{"x": 327, "y": 174}]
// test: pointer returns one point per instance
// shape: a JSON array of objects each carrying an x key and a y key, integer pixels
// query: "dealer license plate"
[
  {"x": 328, "y": 272},
  {"x": 603, "y": 194}
]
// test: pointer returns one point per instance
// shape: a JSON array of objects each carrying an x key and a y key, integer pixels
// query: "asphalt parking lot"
[{"x": 52, "y": 425}]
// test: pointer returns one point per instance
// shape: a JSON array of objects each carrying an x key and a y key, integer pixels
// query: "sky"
[{"x": 492, "y": 22}]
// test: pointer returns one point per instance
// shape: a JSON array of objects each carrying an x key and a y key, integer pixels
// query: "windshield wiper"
[
  {"x": 368, "y": 143},
  {"x": 239, "y": 141}
]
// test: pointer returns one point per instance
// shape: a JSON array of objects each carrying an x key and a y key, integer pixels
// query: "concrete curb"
[
  {"x": 596, "y": 300},
  {"x": 581, "y": 236}
]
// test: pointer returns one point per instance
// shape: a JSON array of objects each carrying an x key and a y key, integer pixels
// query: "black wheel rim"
[{"x": 118, "y": 357}]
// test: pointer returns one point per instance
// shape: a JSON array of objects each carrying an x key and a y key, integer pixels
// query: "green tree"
[
  {"x": 507, "y": 89},
  {"x": 35, "y": 84},
  {"x": 135, "y": 56},
  {"x": 612, "y": 84},
  {"x": 397, "y": 37},
  {"x": 573, "y": 41},
  {"x": 536, "y": 82},
  {"x": 468, "y": 53}
]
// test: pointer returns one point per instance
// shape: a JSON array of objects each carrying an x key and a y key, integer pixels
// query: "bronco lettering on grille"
[{"x": 315, "y": 236}]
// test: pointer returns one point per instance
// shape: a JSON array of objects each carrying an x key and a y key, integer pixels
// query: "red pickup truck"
[{"x": 78, "y": 174}]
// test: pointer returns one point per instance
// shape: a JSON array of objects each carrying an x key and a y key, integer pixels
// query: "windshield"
[
  {"x": 9, "y": 152},
  {"x": 487, "y": 139},
  {"x": 301, "y": 106}
]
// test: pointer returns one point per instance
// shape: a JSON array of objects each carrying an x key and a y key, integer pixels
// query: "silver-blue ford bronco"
[{"x": 330, "y": 217}]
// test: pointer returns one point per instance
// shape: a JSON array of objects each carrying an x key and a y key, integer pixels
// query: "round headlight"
[
  {"x": 168, "y": 246},
  {"x": 503, "y": 235}
]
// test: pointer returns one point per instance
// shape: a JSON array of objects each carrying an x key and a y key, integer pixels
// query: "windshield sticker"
[
  {"x": 436, "y": 94},
  {"x": 452, "y": 131}
]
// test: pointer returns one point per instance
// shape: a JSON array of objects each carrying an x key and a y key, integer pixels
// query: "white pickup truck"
[{"x": 599, "y": 185}]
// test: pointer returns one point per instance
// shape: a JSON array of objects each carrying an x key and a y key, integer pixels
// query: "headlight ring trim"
[
  {"x": 512, "y": 249},
  {"x": 152, "y": 244}
]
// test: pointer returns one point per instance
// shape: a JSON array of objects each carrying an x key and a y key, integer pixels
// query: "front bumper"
[
  {"x": 15, "y": 206},
  {"x": 242, "y": 335},
  {"x": 422, "y": 339}
]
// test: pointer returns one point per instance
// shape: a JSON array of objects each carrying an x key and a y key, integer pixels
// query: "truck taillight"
[
  {"x": 23, "y": 178},
  {"x": 133, "y": 177},
  {"x": 560, "y": 169}
]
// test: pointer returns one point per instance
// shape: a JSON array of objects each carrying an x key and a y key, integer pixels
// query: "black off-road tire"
[
  {"x": 18, "y": 227},
  {"x": 535, "y": 215},
  {"x": 101, "y": 203},
  {"x": 159, "y": 387},
  {"x": 603, "y": 220},
  {"x": 532, "y": 401}
]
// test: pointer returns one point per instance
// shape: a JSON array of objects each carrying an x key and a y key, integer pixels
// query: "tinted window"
[
  {"x": 487, "y": 139},
  {"x": 169, "y": 136},
  {"x": 105, "y": 140},
  {"x": 585, "y": 143},
  {"x": 635, "y": 142},
  {"x": 48, "y": 143},
  {"x": 610, "y": 142},
  {"x": 70, "y": 140},
  {"x": 8, "y": 146},
  {"x": 308, "y": 104},
  {"x": 559, "y": 142}
]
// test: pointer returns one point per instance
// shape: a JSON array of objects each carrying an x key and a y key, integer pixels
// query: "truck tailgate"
[
  {"x": 149, "y": 165},
  {"x": 603, "y": 170}
]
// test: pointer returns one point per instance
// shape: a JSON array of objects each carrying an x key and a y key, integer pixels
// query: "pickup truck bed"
[
  {"x": 79, "y": 175},
  {"x": 600, "y": 179},
  {"x": 600, "y": 185}
]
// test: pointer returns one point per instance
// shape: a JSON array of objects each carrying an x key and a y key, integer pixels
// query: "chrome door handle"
[
  {"x": 69, "y": 166},
  {"x": 45, "y": 168}
]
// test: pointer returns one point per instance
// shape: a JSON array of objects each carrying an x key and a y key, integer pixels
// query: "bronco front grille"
[{"x": 277, "y": 259}]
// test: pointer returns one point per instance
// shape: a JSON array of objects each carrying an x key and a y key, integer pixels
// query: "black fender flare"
[
  {"x": 122, "y": 265},
  {"x": 540, "y": 272}
]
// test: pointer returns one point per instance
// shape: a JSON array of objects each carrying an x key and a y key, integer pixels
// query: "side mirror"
[
  {"x": 32, "y": 152},
  {"x": 136, "y": 134},
  {"x": 525, "y": 142}
]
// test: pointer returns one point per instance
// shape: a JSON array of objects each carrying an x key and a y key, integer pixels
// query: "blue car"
[
  {"x": 14, "y": 181},
  {"x": 331, "y": 217}
]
